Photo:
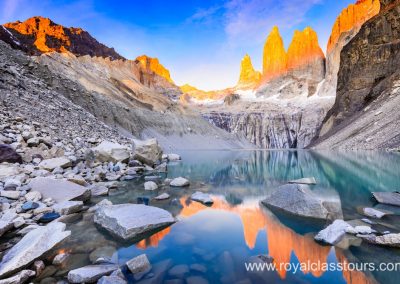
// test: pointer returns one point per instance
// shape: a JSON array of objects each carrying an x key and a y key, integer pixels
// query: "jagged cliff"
[
  {"x": 274, "y": 56},
  {"x": 365, "y": 113}
]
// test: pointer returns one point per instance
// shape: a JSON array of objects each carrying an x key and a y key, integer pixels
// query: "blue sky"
[{"x": 200, "y": 41}]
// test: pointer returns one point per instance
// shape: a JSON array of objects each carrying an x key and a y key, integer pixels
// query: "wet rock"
[
  {"x": 150, "y": 185},
  {"x": 51, "y": 164},
  {"x": 310, "y": 181},
  {"x": 111, "y": 152},
  {"x": 301, "y": 201},
  {"x": 202, "y": 198},
  {"x": 129, "y": 220},
  {"x": 111, "y": 280},
  {"x": 9, "y": 155},
  {"x": 61, "y": 258},
  {"x": 32, "y": 246},
  {"x": 179, "y": 182},
  {"x": 147, "y": 152},
  {"x": 90, "y": 273},
  {"x": 68, "y": 207},
  {"x": 59, "y": 190},
  {"x": 139, "y": 264},
  {"x": 105, "y": 253},
  {"x": 390, "y": 240},
  {"x": 371, "y": 212},
  {"x": 390, "y": 198},
  {"x": 48, "y": 217},
  {"x": 162, "y": 196},
  {"x": 39, "y": 266},
  {"x": 19, "y": 278},
  {"x": 334, "y": 232}
]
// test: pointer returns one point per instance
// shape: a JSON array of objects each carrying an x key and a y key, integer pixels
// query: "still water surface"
[{"x": 214, "y": 243}]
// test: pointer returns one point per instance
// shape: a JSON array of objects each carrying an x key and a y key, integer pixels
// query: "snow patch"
[{"x": 11, "y": 36}]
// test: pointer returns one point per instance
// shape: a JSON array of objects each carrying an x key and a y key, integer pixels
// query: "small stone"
[
  {"x": 68, "y": 207},
  {"x": 39, "y": 266},
  {"x": 33, "y": 142},
  {"x": 162, "y": 196},
  {"x": 150, "y": 185},
  {"x": 33, "y": 196},
  {"x": 11, "y": 194},
  {"x": 139, "y": 264},
  {"x": 90, "y": 273},
  {"x": 48, "y": 217},
  {"x": 29, "y": 206},
  {"x": 179, "y": 182},
  {"x": 310, "y": 181},
  {"x": 371, "y": 212},
  {"x": 59, "y": 259},
  {"x": 18, "y": 222}
]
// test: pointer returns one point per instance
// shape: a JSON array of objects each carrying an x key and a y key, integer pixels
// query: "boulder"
[
  {"x": 150, "y": 185},
  {"x": 162, "y": 196},
  {"x": 68, "y": 207},
  {"x": 59, "y": 190},
  {"x": 9, "y": 155},
  {"x": 19, "y": 278},
  {"x": 32, "y": 246},
  {"x": 139, "y": 264},
  {"x": 202, "y": 197},
  {"x": 179, "y": 182},
  {"x": 90, "y": 273},
  {"x": 371, "y": 212},
  {"x": 173, "y": 157},
  {"x": 111, "y": 280},
  {"x": 300, "y": 200},
  {"x": 108, "y": 151},
  {"x": 11, "y": 194},
  {"x": 334, "y": 232},
  {"x": 99, "y": 190},
  {"x": 130, "y": 220},
  {"x": 389, "y": 240},
  {"x": 390, "y": 198},
  {"x": 51, "y": 164},
  {"x": 147, "y": 152},
  {"x": 7, "y": 170},
  {"x": 309, "y": 180}
]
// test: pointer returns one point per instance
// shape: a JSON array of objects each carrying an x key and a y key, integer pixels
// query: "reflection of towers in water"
[{"x": 282, "y": 241}]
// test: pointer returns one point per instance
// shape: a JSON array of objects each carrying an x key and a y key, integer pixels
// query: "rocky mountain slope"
[
  {"x": 365, "y": 113},
  {"x": 119, "y": 93}
]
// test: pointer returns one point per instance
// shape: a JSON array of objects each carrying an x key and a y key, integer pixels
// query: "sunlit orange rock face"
[
  {"x": 248, "y": 76},
  {"x": 191, "y": 93},
  {"x": 154, "y": 65},
  {"x": 305, "y": 55},
  {"x": 40, "y": 35},
  {"x": 274, "y": 56},
  {"x": 354, "y": 15}
]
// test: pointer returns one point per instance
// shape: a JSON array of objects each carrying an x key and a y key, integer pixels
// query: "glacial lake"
[{"x": 214, "y": 243}]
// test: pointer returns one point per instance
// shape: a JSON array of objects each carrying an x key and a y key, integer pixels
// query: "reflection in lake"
[{"x": 219, "y": 239}]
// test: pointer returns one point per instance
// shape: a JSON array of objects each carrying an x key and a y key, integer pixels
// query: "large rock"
[
  {"x": 90, "y": 273},
  {"x": 129, "y": 220},
  {"x": 6, "y": 222},
  {"x": 202, "y": 197},
  {"x": 390, "y": 198},
  {"x": 179, "y": 182},
  {"x": 334, "y": 232},
  {"x": 59, "y": 190},
  {"x": 310, "y": 180},
  {"x": 51, "y": 164},
  {"x": 32, "y": 246},
  {"x": 7, "y": 170},
  {"x": 9, "y": 155},
  {"x": 300, "y": 200},
  {"x": 147, "y": 152},
  {"x": 108, "y": 151},
  {"x": 390, "y": 240}
]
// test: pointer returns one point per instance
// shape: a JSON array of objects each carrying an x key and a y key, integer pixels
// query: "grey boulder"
[
  {"x": 309, "y": 180},
  {"x": 51, "y": 164},
  {"x": 147, "y": 152},
  {"x": 202, "y": 197},
  {"x": 390, "y": 198},
  {"x": 90, "y": 273},
  {"x": 179, "y": 182},
  {"x": 130, "y": 220},
  {"x": 334, "y": 232},
  {"x": 389, "y": 240},
  {"x": 19, "y": 278},
  {"x": 68, "y": 207},
  {"x": 108, "y": 151},
  {"x": 139, "y": 264}
]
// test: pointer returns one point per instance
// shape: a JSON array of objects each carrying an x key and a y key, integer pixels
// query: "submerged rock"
[
  {"x": 310, "y": 180},
  {"x": 59, "y": 190},
  {"x": 301, "y": 201},
  {"x": 90, "y": 273},
  {"x": 334, "y": 232},
  {"x": 179, "y": 182},
  {"x": 390, "y": 240},
  {"x": 32, "y": 246},
  {"x": 390, "y": 198},
  {"x": 202, "y": 197},
  {"x": 129, "y": 220}
]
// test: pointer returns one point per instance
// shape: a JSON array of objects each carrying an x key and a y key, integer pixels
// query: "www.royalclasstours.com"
[{"x": 321, "y": 266}]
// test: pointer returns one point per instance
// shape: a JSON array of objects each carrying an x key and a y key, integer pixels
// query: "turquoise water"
[{"x": 214, "y": 243}]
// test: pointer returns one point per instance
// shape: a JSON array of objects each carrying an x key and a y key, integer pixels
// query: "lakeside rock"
[
  {"x": 333, "y": 233},
  {"x": 310, "y": 181},
  {"x": 130, "y": 220},
  {"x": 108, "y": 151},
  {"x": 372, "y": 212},
  {"x": 32, "y": 246},
  {"x": 390, "y": 198},
  {"x": 162, "y": 196},
  {"x": 389, "y": 240},
  {"x": 202, "y": 198},
  {"x": 90, "y": 273},
  {"x": 19, "y": 278},
  {"x": 147, "y": 152},
  {"x": 299, "y": 200},
  {"x": 139, "y": 264},
  {"x": 179, "y": 182},
  {"x": 150, "y": 185},
  {"x": 51, "y": 164}
]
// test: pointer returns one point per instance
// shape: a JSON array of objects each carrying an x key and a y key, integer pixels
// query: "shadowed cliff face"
[
  {"x": 365, "y": 112},
  {"x": 39, "y": 35}
]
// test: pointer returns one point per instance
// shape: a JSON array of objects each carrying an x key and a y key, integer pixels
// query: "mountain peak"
[
  {"x": 353, "y": 16},
  {"x": 248, "y": 76},
  {"x": 152, "y": 64},
  {"x": 39, "y": 35},
  {"x": 274, "y": 56}
]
